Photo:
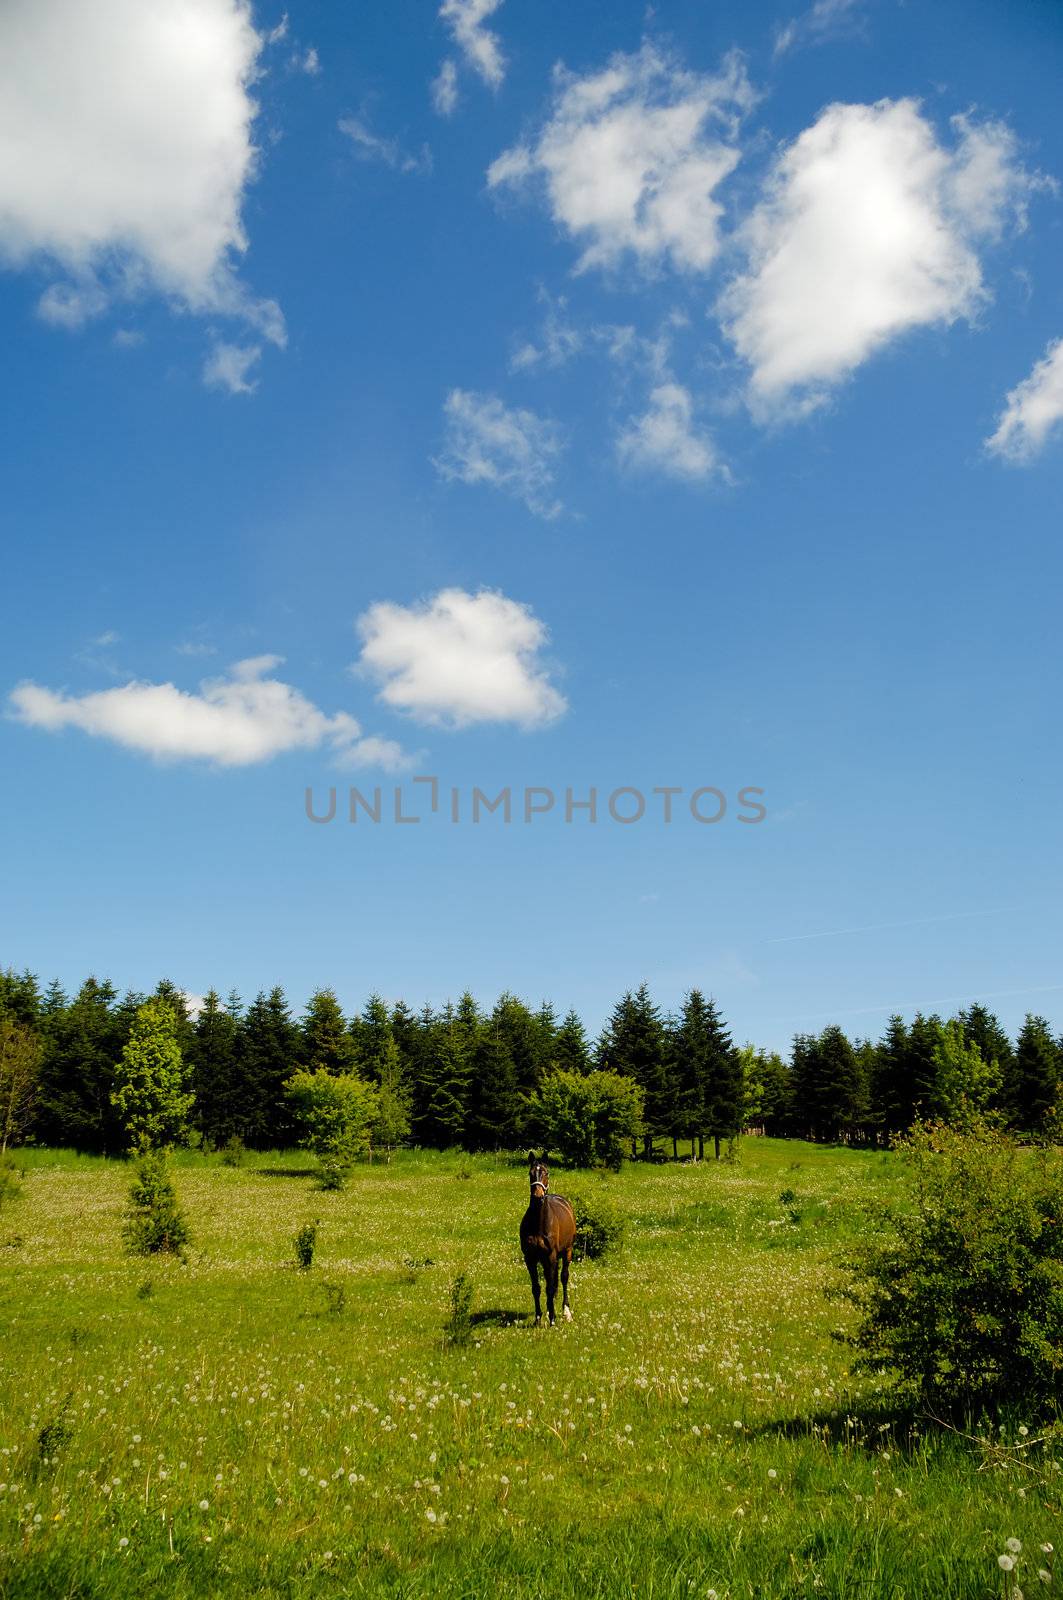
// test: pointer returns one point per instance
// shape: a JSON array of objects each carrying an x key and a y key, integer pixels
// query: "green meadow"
[{"x": 233, "y": 1426}]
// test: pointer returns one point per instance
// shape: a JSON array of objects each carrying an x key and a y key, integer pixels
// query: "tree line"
[{"x": 487, "y": 1079}]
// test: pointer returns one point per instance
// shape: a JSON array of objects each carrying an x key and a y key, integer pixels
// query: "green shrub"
[
  {"x": 304, "y": 1243},
  {"x": 588, "y": 1119},
  {"x": 11, "y": 1178},
  {"x": 336, "y": 1112},
  {"x": 457, "y": 1330},
  {"x": 962, "y": 1298},
  {"x": 600, "y": 1226},
  {"x": 234, "y": 1151},
  {"x": 154, "y": 1221}
]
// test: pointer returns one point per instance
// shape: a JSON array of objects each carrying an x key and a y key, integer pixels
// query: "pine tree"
[
  {"x": 723, "y": 1092},
  {"x": 373, "y": 1038},
  {"x": 893, "y": 1092},
  {"x": 493, "y": 1109},
  {"x": 1034, "y": 1089},
  {"x": 20, "y": 996},
  {"x": 216, "y": 1077},
  {"x": 324, "y": 1038},
  {"x": 691, "y": 1045},
  {"x": 269, "y": 1048},
  {"x": 82, "y": 1043},
  {"x": 571, "y": 1051},
  {"x": 829, "y": 1092},
  {"x": 151, "y": 1093},
  {"x": 446, "y": 1084},
  {"x": 635, "y": 1045},
  {"x": 981, "y": 1028}
]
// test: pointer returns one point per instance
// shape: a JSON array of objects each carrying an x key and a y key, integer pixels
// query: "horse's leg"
[
  {"x": 533, "y": 1273},
  {"x": 550, "y": 1273},
  {"x": 566, "y": 1261}
]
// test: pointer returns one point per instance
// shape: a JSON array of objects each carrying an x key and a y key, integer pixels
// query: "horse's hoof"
[
  {"x": 568, "y": 1314},
  {"x": 538, "y": 1322}
]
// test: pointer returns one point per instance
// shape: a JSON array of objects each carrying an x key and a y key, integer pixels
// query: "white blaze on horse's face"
[{"x": 540, "y": 1179}]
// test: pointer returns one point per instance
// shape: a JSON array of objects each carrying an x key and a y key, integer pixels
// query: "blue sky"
[{"x": 690, "y": 414}]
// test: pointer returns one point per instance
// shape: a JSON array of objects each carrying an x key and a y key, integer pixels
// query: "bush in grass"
[
  {"x": 336, "y": 1112},
  {"x": 588, "y": 1119},
  {"x": 457, "y": 1330},
  {"x": 234, "y": 1151},
  {"x": 600, "y": 1226},
  {"x": 10, "y": 1182},
  {"x": 962, "y": 1298},
  {"x": 304, "y": 1243},
  {"x": 154, "y": 1222}
]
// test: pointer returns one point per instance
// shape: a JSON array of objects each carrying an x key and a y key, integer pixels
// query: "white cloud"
[
  {"x": 1033, "y": 410},
  {"x": 868, "y": 228},
  {"x": 125, "y": 150},
  {"x": 631, "y": 156},
  {"x": 480, "y": 47},
  {"x": 510, "y": 449},
  {"x": 234, "y": 721},
  {"x": 460, "y": 658},
  {"x": 664, "y": 438},
  {"x": 445, "y": 89},
  {"x": 309, "y": 62},
  {"x": 369, "y": 146},
  {"x": 228, "y": 367}
]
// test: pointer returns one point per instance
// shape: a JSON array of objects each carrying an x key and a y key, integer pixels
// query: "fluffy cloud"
[
  {"x": 480, "y": 47},
  {"x": 631, "y": 156},
  {"x": 370, "y": 146},
  {"x": 125, "y": 150},
  {"x": 869, "y": 227},
  {"x": 233, "y": 721},
  {"x": 460, "y": 658},
  {"x": 1033, "y": 410},
  {"x": 664, "y": 439},
  {"x": 514, "y": 450}
]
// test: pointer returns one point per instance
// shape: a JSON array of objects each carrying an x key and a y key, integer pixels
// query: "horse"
[{"x": 547, "y": 1235}]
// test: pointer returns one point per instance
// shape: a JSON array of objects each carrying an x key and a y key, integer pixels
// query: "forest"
[{"x": 467, "y": 1076}]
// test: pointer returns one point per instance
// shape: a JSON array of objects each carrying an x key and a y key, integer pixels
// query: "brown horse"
[{"x": 547, "y": 1234}]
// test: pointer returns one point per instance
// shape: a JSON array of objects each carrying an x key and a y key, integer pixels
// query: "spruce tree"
[
  {"x": 82, "y": 1044},
  {"x": 893, "y": 1092},
  {"x": 446, "y": 1084},
  {"x": 216, "y": 1080},
  {"x": 1034, "y": 1089},
  {"x": 268, "y": 1042},
  {"x": 493, "y": 1108},
  {"x": 392, "y": 1125},
  {"x": 981, "y": 1028},
  {"x": 690, "y": 1055},
  {"x": 724, "y": 1098},
  {"x": 635, "y": 1045},
  {"x": 571, "y": 1051},
  {"x": 325, "y": 1041}
]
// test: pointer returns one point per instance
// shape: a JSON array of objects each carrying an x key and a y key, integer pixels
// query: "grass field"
[{"x": 235, "y": 1427}]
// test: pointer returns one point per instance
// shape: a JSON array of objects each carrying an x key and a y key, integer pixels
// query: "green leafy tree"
[
  {"x": 335, "y": 1113},
  {"x": 392, "y": 1125},
  {"x": 20, "y": 1065},
  {"x": 981, "y": 1028},
  {"x": 588, "y": 1118},
  {"x": 151, "y": 1091},
  {"x": 964, "y": 1083}
]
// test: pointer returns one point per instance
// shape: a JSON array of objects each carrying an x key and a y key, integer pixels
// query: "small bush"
[
  {"x": 154, "y": 1221},
  {"x": 788, "y": 1197},
  {"x": 962, "y": 1299},
  {"x": 11, "y": 1178},
  {"x": 600, "y": 1226},
  {"x": 234, "y": 1152},
  {"x": 145, "y": 1290},
  {"x": 457, "y": 1330},
  {"x": 55, "y": 1434},
  {"x": 333, "y": 1175},
  {"x": 335, "y": 1299},
  {"x": 304, "y": 1243}
]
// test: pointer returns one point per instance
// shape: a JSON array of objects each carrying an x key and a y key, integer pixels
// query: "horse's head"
[{"x": 538, "y": 1175}]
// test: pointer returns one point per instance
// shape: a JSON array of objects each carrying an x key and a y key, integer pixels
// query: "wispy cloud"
[
  {"x": 480, "y": 47},
  {"x": 664, "y": 438},
  {"x": 506, "y": 447},
  {"x": 1033, "y": 411},
  {"x": 370, "y": 146},
  {"x": 824, "y": 20},
  {"x": 229, "y": 367}
]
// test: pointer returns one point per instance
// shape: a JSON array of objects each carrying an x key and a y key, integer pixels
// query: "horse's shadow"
[{"x": 498, "y": 1317}]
